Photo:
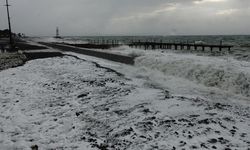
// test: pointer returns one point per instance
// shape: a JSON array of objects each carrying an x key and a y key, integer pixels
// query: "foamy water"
[
  {"x": 227, "y": 74},
  {"x": 240, "y": 51}
]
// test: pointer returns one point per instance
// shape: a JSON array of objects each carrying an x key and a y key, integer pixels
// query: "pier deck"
[
  {"x": 176, "y": 46},
  {"x": 102, "y": 44}
]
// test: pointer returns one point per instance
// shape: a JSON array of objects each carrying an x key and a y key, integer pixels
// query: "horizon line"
[{"x": 142, "y": 35}]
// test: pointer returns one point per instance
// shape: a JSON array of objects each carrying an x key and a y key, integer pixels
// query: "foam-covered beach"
[
  {"x": 165, "y": 100},
  {"x": 125, "y": 75}
]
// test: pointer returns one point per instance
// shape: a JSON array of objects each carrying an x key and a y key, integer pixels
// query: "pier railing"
[
  {"x": 179, "y": 46},
  {"x": 106, "y": 44}
]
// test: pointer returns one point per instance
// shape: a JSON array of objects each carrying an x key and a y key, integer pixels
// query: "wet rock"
[
  {"x": 190, "y": 124},
  {"x": 150, "y": 118},
  {"x": 146, "y": 110},
  {"x": 34, "y": 147},
  {"x": 31, "y": 140},
  {"x": 229, "y": 119},
  {"x": 221, "y": 106},
  {"x": 193, "y": 147},
  {"x": 211, "y": 114},
  {"x": 218, "y": 132},
  {"x": 183, "y": 120},
  {"x": 78, "y": 113},
  {"x": 83, "y": 95},
  {"x": 145, "y": 126},
  {"x": 232, "y": 132},
  {"x": 206, "y": 121},
  {"x": 142, "y": 136},
  {"x": 243, "y": 134},
  {"x": 220, "y": 123},
  {"x": 182, "y": 143},
  {"x": 103, "y": 146},
  {"x": 214, "y": 147},
  {"x": 167, "y": 122},
  {"x": 124, "y": 132},
  {"x": 212, "y": 141},
  {"x": 190, "y": 136},
  {"x": 181, "y": 98},
  {"x": 106, "y": 109},
  {"x": 91, "y": 140},
  {"x": 222, "y": 140},
  {"x": 167, "y": 95},
  {"x": 157, "y": 134},
  {"x": 203, "y": 145}
]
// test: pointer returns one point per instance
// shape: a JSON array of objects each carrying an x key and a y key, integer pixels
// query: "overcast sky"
[{"x": 128, "y": 17}]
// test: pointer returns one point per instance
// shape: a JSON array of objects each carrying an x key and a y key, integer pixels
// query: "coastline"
[
  {"x": 71, "y": 103},
  {"x": 76, "y": 101}
]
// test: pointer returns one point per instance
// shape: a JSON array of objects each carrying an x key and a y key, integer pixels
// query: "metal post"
[{"x": 10, "y": 33}]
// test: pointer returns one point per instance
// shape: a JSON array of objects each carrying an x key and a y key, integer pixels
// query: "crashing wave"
[{"x": 226, "y": 74}]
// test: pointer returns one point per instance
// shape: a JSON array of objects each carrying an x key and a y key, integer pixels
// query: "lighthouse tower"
[{"x": 57, "y": 33}]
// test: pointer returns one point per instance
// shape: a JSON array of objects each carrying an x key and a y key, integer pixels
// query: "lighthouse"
[{"x": 57, "y": 33}]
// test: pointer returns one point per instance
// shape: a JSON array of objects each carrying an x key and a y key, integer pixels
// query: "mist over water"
[
  {"x": 240, "y": 43},
  {"x": 235, "y": 40}
]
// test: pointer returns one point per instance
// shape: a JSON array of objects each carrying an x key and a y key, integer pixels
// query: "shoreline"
[
  {"x": 102, "y": 104},
  {"x": 100, "y": 109}
]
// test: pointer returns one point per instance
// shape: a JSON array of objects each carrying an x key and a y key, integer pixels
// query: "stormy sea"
[{"x": 240, "y": 43}]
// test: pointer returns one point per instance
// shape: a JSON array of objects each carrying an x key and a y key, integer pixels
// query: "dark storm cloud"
[{"x": 128, "y": 17}]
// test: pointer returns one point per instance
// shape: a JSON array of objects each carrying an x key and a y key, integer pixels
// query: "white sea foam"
[
  {"x": 227, "y": 74},
  {"x": 69, "y": 103}
]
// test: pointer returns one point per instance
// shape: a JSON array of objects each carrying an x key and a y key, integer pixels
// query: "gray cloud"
[{"x": 128, "y": 17}]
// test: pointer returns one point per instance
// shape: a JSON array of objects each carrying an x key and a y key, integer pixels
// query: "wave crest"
[{"x": 230, "y": 75}]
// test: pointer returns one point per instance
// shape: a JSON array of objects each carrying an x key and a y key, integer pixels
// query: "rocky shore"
[{"x": 10, "y": 60}]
